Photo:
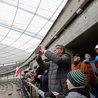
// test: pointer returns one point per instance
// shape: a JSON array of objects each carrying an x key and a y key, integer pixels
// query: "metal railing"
[{"x": 27, "y": 87}]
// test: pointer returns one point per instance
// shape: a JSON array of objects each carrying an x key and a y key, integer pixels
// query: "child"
[{"x": 76, "y": 85}]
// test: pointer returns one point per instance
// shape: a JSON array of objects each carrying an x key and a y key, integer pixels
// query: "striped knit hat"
[{"x": 77, "y": 78}]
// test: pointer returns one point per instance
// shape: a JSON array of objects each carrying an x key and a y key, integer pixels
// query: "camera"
[{"x": 37, "y": 50}]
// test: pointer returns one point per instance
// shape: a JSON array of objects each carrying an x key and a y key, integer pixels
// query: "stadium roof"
[{"x": 23, "y": 25}]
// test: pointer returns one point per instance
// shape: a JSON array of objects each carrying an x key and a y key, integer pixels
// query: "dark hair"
[
  {"x": 30, "y": 69},
  {"x": 76, "y": 55},
  {"x": 62, "y": 48},
  {"x": 25, "y": 72},
  {"x": 46, "y": 60},
  {"x": 35, "y": 67}
]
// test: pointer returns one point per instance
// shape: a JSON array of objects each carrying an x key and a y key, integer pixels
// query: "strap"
[{"x": 94, "y": 68}]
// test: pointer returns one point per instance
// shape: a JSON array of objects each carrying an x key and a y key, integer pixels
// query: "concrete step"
[{"x": 10, "y": 90}]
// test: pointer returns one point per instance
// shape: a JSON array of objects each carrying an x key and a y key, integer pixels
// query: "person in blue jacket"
[{"x": 93, "y": 59}]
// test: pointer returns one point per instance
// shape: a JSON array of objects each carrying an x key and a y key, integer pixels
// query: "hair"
[
  {"x": 30, "y": 69},
  {"x": 78, "y": 55},
  {"x": 62, "y": 47},
  {"x": 35, "y": 67},
  {"x": 25, "y": 72},
  {"x": 46, "y": 60},
  {"x": 87, "y": 54}
]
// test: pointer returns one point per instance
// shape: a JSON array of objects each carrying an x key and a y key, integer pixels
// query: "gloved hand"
[{"x": 49, "y": 95}]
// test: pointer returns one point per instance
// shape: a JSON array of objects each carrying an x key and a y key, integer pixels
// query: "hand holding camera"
[
  {"x": 40, "y": 49},
  {"x": 37, "y": 50}
]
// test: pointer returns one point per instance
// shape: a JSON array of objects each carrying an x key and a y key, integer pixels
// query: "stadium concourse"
[{"x": 25, "y": 24}]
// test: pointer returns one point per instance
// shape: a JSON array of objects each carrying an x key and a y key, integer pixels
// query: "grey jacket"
[
  {"x": 79, "y": 92},
  {"x": 75, "y": 95},
  {"x": 58, "y": 66}
]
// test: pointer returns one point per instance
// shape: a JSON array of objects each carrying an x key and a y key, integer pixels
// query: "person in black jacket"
[
  {"x": 39, "y": 71},
  {"x": 59, "y": 66},
  {"x": 44, "y": 80}
]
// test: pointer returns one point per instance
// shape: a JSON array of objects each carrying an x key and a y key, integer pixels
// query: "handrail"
[{"x": 37, "y": 89}]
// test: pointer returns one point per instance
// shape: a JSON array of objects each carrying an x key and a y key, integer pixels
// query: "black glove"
[{"x": 49, "y": 95}]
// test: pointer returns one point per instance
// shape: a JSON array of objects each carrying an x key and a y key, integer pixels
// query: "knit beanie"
[{"x": 77, "y": 78}]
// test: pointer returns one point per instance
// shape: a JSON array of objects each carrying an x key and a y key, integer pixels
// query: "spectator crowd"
[{"x": 58, "y": 77}]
